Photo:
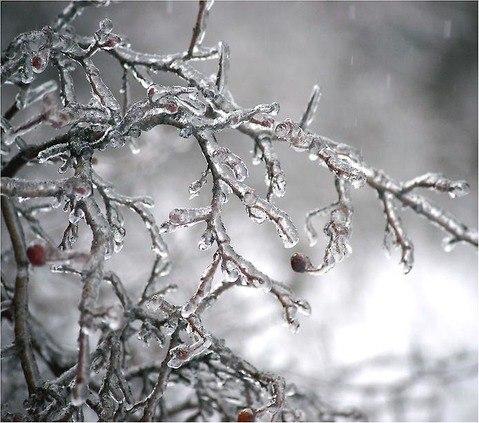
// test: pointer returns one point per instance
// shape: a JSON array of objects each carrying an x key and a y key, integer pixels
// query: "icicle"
[
  {"x": 195, "y": 187},
  {"x": 223, "y": 156},
  {"x": 303, "y": 307},
  {"x": 308, "y": 115},
  {"x": 134, "y": 147},
  {"x": 448, "y": 243}
]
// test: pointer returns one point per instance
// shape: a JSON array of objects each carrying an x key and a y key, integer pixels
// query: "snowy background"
[{"x": 399, "y": 81}]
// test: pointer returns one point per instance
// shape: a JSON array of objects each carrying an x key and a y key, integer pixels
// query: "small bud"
[
  {"x": 182, "y": 353},
  {"x": 300, "y": 263},
  {"x": 284, "y": 129},
  {"x": 172, "y": 107},
  {"x": 37, "y": 62},
  {"x": 151, "y": 91},
  {"x": 245, "y": 415},
  {"x": 36, "y": 255},
  {"x": 263, "y": 120},
  {"x": 82, "y": 191},
  {"x": 111, "y": 42}
]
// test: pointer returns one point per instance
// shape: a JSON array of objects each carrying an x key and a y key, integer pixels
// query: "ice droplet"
[
  {"x": 303, "y": 307},
  {"x": 106, "y": 25},
  {"x": 293, "y": 326},
  {"x": 206, "y": 240},
  {"x": 240, "y": 171},
  {"x": 256, "y": 214},
  {"x": 195, "y": 187},
  {"x": 76, "y": 215},
  {"x": 230, "y": 270},
  {"x": 249, "y": 198},
  {"x": 56, "y": 201},
  {"x": 77, "y": 400},
  {"x": 448, "y": 244},
  {"x": 459, "y": 189},
  {"x": 279, "y": 185},
  {"x": 114, "y": 318},
  {"x": 134, "y": 147}
]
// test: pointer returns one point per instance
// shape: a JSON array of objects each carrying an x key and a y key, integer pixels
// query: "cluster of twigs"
[{"x": 222, "y": 384}]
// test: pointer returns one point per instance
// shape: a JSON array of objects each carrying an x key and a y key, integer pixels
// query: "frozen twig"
[
  {"x": 199, "y": 29},
  {"x": 200, "y": 107}
]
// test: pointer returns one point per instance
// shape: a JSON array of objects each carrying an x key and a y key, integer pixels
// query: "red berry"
[
  {"x": 37, "y": 62},
  {"x": 111, "y": 42},
  {"x": 151, "y": 91},
  {"x": 36, "y": 255},
  {"x": 182, "y": 353},
  {"x": 299, "y": 262},
  {"x": 171, "y": 106},
  {"x": 80, "y": 190},
  {"x": 245, "y": 415}
]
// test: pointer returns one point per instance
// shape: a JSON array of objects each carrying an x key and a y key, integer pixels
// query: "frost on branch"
[{"x": 200, "y": 107}]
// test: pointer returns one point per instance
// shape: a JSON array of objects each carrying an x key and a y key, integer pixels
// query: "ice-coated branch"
[
  {"x": 92, "y": 276},
  {"x": 437, "y": 182},
  {"x": 73, "y": 10},
  {"x": 201, "y": 108},
  {"x": 457, "y": 231},
  {"x": 199, "y": 30},
  {"x": 204, "y": 289},
  {"x": 395, "y": 233},
  {"x": 14, "y": 187},
  {"x": 23, "y": 342},
  {"x": 158, "y": 390}
]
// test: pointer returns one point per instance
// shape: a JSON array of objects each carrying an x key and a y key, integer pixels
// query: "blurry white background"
[{"x": 399, "y": 81}]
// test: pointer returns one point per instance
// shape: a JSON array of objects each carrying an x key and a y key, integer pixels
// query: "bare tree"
[{"x": 100, "y": 378}]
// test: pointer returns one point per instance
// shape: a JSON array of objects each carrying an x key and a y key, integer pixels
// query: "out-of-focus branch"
[
  {"x": 158, "y": 390},
  {"x": 23, "y": 341},
  {"x": 223, "y": 384}
]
